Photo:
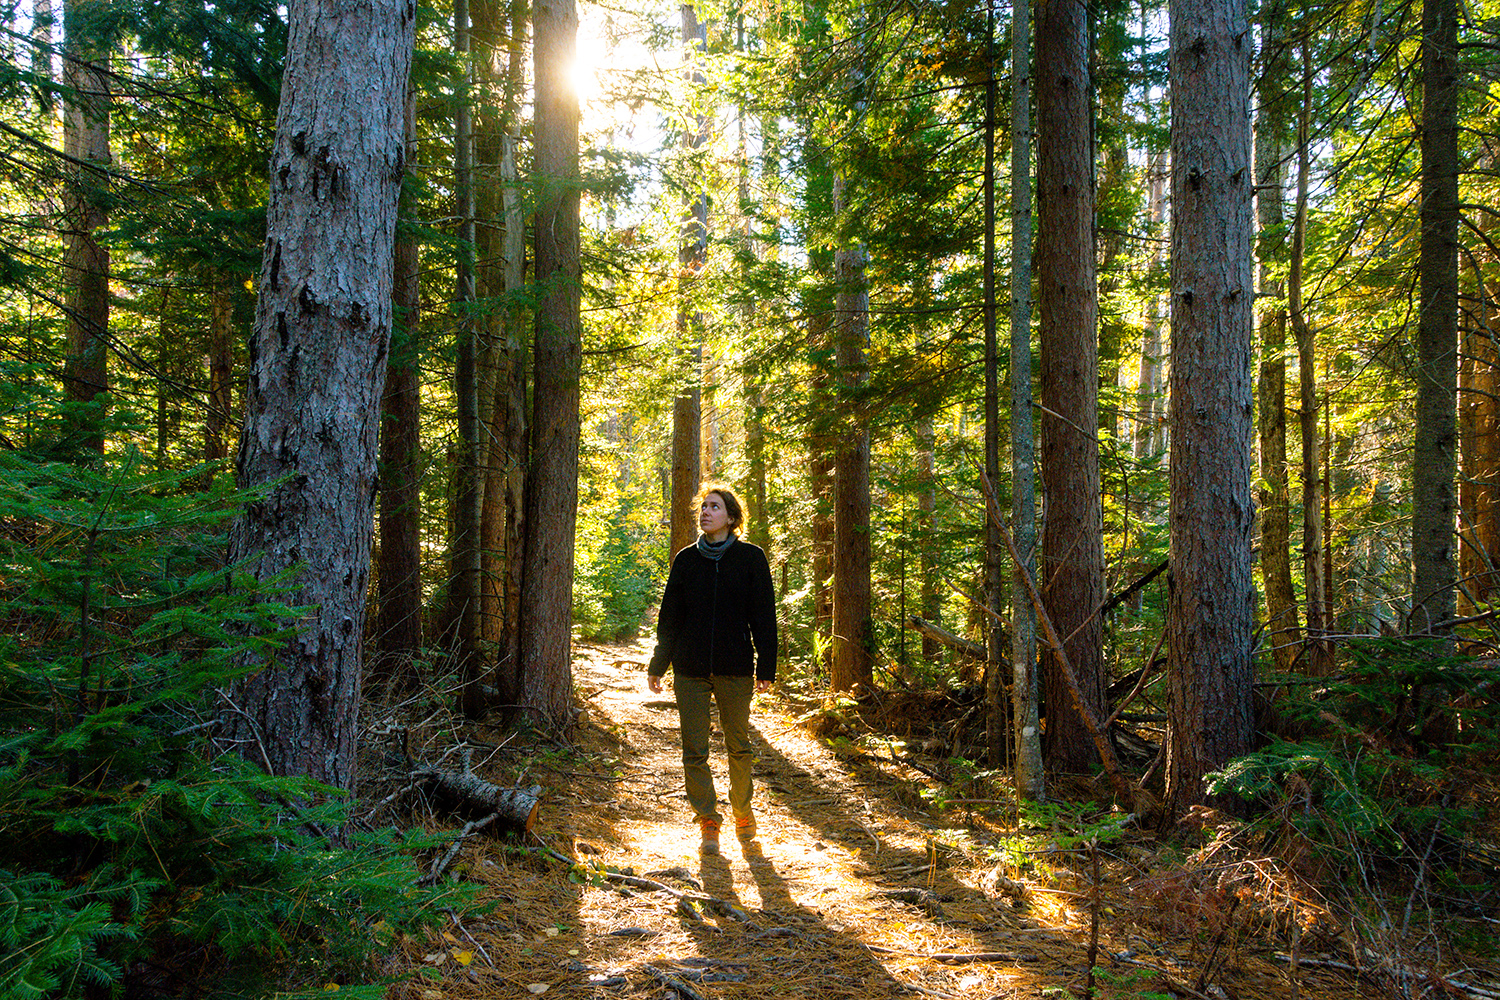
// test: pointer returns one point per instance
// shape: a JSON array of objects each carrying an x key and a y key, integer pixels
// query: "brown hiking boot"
[
  {"x": 744, "y": 827},
  {"x": 710, "y": 828}
]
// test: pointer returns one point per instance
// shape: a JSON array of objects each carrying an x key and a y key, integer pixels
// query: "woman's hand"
[{"x": 653, "y": 681}]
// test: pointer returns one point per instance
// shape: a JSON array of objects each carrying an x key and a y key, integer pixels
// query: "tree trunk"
[
  {"x": 398, "y": 622},
  {"x": 1072, "y": 539},
  {"x": 517, "y": 431},
  {"x": 546, "y": 693},
  {"x": 932, "y": 598},
  {"x": 692, "y": 255},
  {"x": 1030, "y": 777},
  {"x": 1212, "y": 596},
  {"x": 994, "y": 545},
  {"x": 1147, "y": 442},
  {"x": 1314, "y": 580},
  {"x": 1282, "y": 629},
  {"x": 317, "y": 370},
  {"x": 1433, "y": 459},
  {"x": 494, "y": 272},
  {"x": 853, "y": 634},
  {"x": 469, "y": 476},
  {"x": 820, "y": 474},
  {"x": 1479, "y": 431},
  {"x": 85, "y": 197}
]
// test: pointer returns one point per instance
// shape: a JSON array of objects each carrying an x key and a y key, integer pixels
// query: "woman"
[{"x": 718, "y": 599}]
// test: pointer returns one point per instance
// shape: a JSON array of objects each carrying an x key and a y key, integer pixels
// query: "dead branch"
[
  {"x": 942, "y": 636},
  {"x": 1106, "y": 750}
]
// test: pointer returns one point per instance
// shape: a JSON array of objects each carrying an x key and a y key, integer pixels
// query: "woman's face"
[{"x": 713, "y": 519}]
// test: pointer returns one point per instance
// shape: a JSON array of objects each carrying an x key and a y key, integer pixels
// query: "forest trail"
[{"x": 851, "y": 890}]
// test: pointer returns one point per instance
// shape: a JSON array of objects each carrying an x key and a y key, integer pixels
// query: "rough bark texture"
[
  {"x": 1025, "y": 714},
  {"x": 931, "y": 599},
  {"x": 820, "y": 475},
  {"x": 317, "y": 369},
  {"x": 1148, "y": 422},
  {"x": 85, "y": 261},
  {"x": 546, "y": 694},
  {"x": 852, "y": 628},
  {"x": 398, "y": 621},
  {"x": 1434, "y": 459},
  {"x": 1212, "y": 595},
  {"x": 1072, "y": 575},
  {"x": 1282, "y": 631}
]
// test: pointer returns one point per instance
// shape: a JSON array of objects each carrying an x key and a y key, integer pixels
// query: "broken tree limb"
[
  {"x": 942, "y": 636},
  {"x": 1106, "y": 750},
  {"x": 515, "y": 809}
]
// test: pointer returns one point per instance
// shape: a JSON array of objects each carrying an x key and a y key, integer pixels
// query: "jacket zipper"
[{"x": 713, "y": 620}]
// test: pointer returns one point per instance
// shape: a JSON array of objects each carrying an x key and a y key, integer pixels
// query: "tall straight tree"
[
  {"x": 994, "y": 544},
  {"x": 85, "y": 200},
  {"x": 546, "y": 669},
  {"x": 1030, "y": 776},
  {"x": 398, "y": 622},
  {"x": 322, "y": 330},
  {"x": 1314, "y": 488},
  {"x": 1271, "y": 143},
  {"x": 1433, "y": 459},
  {"x": 1073, "y": 535},
  {"x": 853, "y": 635},
  {"x": 692, "y": 255},
  {"x": 469, "y": 475},
  {"x": 1211, "y": 601}
]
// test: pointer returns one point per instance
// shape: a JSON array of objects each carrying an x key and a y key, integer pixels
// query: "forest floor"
[{"x": 861, "y": 884}]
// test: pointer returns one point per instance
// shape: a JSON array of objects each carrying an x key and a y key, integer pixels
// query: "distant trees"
[{"x": 322, "y": 330}]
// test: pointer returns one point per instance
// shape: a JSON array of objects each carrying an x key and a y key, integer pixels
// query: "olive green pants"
[{"x": 694, "y": 695}]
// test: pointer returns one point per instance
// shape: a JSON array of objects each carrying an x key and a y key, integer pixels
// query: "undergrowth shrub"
[
  {"x": 614, "y": 582},
  {"x": 129, "y": 848}
]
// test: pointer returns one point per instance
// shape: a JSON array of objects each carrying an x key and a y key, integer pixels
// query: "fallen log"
[
  {"x": 515, "y": 809},
  {"x": 941, "y": 635}
]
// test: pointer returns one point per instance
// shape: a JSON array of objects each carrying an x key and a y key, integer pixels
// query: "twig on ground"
[
  {"x": 470, "y": 828},
  {"x": 672, "y": 982}
]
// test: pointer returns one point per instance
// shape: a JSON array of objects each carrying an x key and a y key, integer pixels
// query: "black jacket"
[{"x": 711, "y": 611}]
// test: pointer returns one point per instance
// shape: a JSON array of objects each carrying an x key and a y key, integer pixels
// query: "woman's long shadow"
[{"x": 991, "y": 924}]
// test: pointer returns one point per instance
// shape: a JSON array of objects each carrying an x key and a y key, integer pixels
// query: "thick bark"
[
  {"x": 85, "y": 196},
  {"x": 853, "y": 634},
  {"x": 1030, "y": 777},
  {"x": 546, "y": 693},
  {"x": 1433, "y": 459},
  {"x": 1072, "y": 539},
  {"x": 1212, "y": 597},
  {"x": 317, "y": 369},
  {"x": 398, "y": 622}
]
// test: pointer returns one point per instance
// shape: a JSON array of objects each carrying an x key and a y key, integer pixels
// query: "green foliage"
[
  {"x": 126, "y": 834},
  {"x": 615, "y": 580},
  {"x": 1345, "y": 798}
]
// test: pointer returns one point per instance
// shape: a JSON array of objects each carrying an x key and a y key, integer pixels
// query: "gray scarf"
[{"x": 714, "y": 550}]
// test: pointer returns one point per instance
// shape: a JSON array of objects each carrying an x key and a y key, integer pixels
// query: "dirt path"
[{"x": 852, "y": 889}]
